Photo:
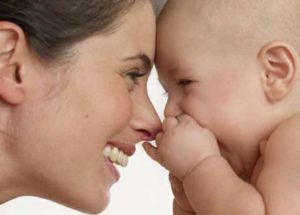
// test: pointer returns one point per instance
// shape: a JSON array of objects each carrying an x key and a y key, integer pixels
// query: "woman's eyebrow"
[{"x": 147, "y": 63}]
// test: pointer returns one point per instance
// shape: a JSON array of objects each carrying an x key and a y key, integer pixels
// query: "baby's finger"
[
  {"x": 168, "y": 123},
  {"x": 158, "y": 138},
  {"x": 151, "y": 151},
  {"x": 185, "y": 118}
]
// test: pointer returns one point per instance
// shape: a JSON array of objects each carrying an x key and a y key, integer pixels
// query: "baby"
[{"x": 231, "y": 136}]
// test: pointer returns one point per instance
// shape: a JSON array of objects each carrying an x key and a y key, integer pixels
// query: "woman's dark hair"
[{"x": 53, "y": 26}]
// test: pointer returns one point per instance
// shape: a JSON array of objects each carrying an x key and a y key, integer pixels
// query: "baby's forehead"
[
  {"x": 175, "y": 71},
  {"x": 239, "y": 22},
  {"x": 196, "y": 17},
  {"x": 237, "y": 11}
]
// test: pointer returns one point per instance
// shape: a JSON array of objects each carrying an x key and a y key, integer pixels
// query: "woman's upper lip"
[{"x": 126, "y": 148}]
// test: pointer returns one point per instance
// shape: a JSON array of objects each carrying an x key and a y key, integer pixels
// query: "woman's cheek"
[
  {"x": 121, "y": 108},
  {"x": 124, "y": 110}
]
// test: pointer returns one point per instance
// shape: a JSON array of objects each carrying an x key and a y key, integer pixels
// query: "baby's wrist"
[{"x": 200, "y": 164}]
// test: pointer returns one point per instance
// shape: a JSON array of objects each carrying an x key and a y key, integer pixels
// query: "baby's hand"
[{"x": 182, "y": 145}]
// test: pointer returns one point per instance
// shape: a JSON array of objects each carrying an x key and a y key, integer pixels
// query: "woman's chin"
[
  {"x": 91, "y": 202},
  {"x": 95, "y": 205}
]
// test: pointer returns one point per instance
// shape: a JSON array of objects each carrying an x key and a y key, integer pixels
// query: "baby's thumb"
[{"x": 150, "y": 150}]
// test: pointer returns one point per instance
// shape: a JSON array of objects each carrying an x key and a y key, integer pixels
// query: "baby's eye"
[{"x": 184, "y": 82}]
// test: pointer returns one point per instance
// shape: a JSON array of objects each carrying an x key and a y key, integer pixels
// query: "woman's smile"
[
  {"x": 97, "y": 77},
  {"x": 117, "y": 153}
]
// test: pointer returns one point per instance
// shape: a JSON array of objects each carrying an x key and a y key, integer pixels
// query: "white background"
[{"x": 142, "y": 190}]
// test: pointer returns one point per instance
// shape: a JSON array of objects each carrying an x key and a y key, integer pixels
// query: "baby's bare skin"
[
  {"x": 231, "y": 71},
  {"x": 274, "y": 182}
]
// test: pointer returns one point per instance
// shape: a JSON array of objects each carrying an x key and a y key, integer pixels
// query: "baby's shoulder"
[
  {"x": 281, "y": 150},
  {"x": 288, "y": 129},
  {"x": 284, "y": 142},
  {"x": 279, "y": 173}
]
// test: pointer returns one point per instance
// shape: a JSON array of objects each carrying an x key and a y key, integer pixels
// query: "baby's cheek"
[
  {"x": 206, "y": 104},
  {"x": 195, "y": 108}
]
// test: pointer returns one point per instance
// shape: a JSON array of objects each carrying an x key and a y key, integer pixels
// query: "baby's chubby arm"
[
  {"x": 181, "y": 204},
  {"x": 214, "y": 188},
  {"x": 191, "y": 153},
  {"x": 279, "y": 179}
]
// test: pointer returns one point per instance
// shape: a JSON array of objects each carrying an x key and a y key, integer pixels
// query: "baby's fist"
[{"x": 182, "y": 144}]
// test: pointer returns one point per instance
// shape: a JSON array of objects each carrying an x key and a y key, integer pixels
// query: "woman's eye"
[
  {"x": 135, "y": 75},
  {"x": 132, "y": 78},
  {"x": 184, "y": 82}
]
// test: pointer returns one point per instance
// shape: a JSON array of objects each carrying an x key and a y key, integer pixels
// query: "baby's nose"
[{"x": 172, "y": 109}]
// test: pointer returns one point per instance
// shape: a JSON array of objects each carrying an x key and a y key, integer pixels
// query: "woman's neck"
[{"x": 10, "y": 178}]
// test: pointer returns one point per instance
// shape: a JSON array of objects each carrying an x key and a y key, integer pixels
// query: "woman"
[{"x": 73, "y": 95}]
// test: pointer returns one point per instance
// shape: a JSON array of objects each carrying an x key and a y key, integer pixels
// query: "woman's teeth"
[{"x": 115, "y": 155}]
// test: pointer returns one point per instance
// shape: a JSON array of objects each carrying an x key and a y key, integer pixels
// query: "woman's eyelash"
[{"x": 135, "y": 75}]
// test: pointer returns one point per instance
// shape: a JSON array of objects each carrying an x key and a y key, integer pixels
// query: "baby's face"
[{"x": 214, "y": 83}]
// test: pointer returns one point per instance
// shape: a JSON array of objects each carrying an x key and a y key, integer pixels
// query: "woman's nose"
[{"x": 146, "y": 121}]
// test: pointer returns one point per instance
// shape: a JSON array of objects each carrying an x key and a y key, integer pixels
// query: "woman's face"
[{"x": 73, "y": 112}]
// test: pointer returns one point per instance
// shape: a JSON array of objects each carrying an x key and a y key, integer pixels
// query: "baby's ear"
[
  {"x": 11, "y": 88},
  {"x": 280, "y": 66}
]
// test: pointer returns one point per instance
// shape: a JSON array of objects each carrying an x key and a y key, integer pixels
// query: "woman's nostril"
[{"x": 146, "y": 135}]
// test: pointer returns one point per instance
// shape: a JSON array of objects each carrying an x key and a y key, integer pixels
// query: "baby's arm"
[
  {"x": 214, "y": 188},
  {"x": 177, "y": 210},
  {"x": 191, "y": 153},
  {"x": 279, "y": 180},
  {"x": 181, "y": 204}
]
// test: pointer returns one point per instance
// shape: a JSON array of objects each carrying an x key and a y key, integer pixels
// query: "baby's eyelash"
[{"x": 184, "y": 82}]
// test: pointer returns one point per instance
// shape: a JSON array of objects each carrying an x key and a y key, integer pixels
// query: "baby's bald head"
[
  {"x": 238, "y": 22},
  {"x": 233, "y": 66}
]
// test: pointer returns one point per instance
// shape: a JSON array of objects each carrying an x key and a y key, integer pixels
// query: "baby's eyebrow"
[
  {"x": 147, "y": 63},
  {"x": 173, "y": 70}
]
